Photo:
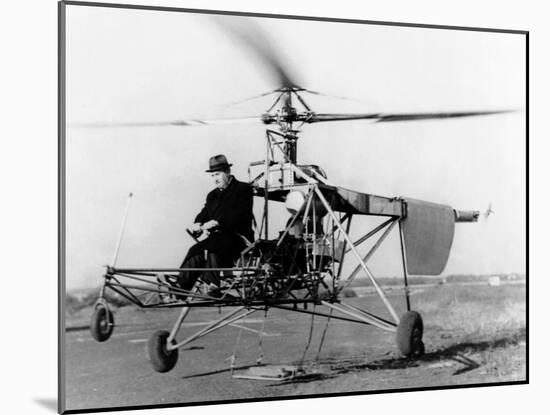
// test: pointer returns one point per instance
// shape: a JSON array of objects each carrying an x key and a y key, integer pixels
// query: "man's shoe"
[
  {"x": 165, "y": 285},
  {"x": 214, "y": 291},
  {"x": 220, "y": 293}
]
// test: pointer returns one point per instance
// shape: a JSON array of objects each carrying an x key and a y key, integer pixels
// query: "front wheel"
[
  {"x": 409, "y": 334},
  {"x": 102, "y": 323},
  {"x": 162, "y": 359}
]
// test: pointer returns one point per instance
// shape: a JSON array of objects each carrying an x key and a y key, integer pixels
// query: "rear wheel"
[
  {"x": 102, "y": 323},
  {"x": 162, "y": 359},
  {"x": 409, "y": 334}
]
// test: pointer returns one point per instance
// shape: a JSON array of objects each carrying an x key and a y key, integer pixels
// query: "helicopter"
[{"x": 301, "y": 270}]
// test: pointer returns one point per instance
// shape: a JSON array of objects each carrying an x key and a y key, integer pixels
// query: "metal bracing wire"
[
  {"x": 404, "y": 261},
  {"x": 323, "y": 336},
  {"x": 310, "y": 336},
  {"x": 356, "y": 253},
  {"x": 371, "y": 233},
  {"x": 377, "y": 244},
  {"x": 122, "y": 229},
  {"x": 233, "y": 357},
  {"x": 260, "y": 341},
  {"x": 216, "y": 325}
]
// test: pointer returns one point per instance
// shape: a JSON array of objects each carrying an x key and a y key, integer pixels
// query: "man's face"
[{"x": 221, "y": 178}]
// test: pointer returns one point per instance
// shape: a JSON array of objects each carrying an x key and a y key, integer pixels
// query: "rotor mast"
[{"x": 285, "y": 117}]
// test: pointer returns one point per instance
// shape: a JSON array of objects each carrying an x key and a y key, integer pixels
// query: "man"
[{"x": 227, "y": 218}]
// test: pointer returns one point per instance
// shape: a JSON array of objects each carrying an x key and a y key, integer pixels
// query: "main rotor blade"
[
  {"x": 256, "y": 40},
  {"x": 315, "y": 117},
  {"x": 176, "y": 123},
  {"x": 242, "y": 101},
  {"x": 380, "y": 117},
  {"x": 321, "y": 94},
  {"x": 436, "y": 115}
]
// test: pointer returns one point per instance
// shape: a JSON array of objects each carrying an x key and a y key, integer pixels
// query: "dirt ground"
[{"x": 473, "y": 335}]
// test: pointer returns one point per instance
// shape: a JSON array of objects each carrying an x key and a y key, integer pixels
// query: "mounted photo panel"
[{"x": 264, "y": 207}]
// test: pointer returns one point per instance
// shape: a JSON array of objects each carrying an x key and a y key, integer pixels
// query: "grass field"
[{"x": 483, "y": 326}]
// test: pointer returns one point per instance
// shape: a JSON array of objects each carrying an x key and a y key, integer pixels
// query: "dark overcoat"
[{"x": 232, "y": 209}]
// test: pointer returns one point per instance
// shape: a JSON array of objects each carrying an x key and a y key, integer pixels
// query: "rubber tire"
[
  {"x": 100, "y": 329},
  {"x": 162, "y": 360},
  {"x": 409, "y": 334}
]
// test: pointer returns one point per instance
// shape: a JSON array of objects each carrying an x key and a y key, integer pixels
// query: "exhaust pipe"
[{"x": 466, "y": 215}]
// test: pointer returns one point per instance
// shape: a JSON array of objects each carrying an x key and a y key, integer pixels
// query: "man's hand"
[
  {"x": 209, "y": 225},
  {"x": 195, "y": 228}
]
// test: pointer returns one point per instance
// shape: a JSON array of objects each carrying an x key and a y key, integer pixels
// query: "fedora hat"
[{"x": 217, "y": 163}]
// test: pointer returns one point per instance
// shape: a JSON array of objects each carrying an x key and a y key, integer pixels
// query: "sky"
[{"x": 131, "y": 65}]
